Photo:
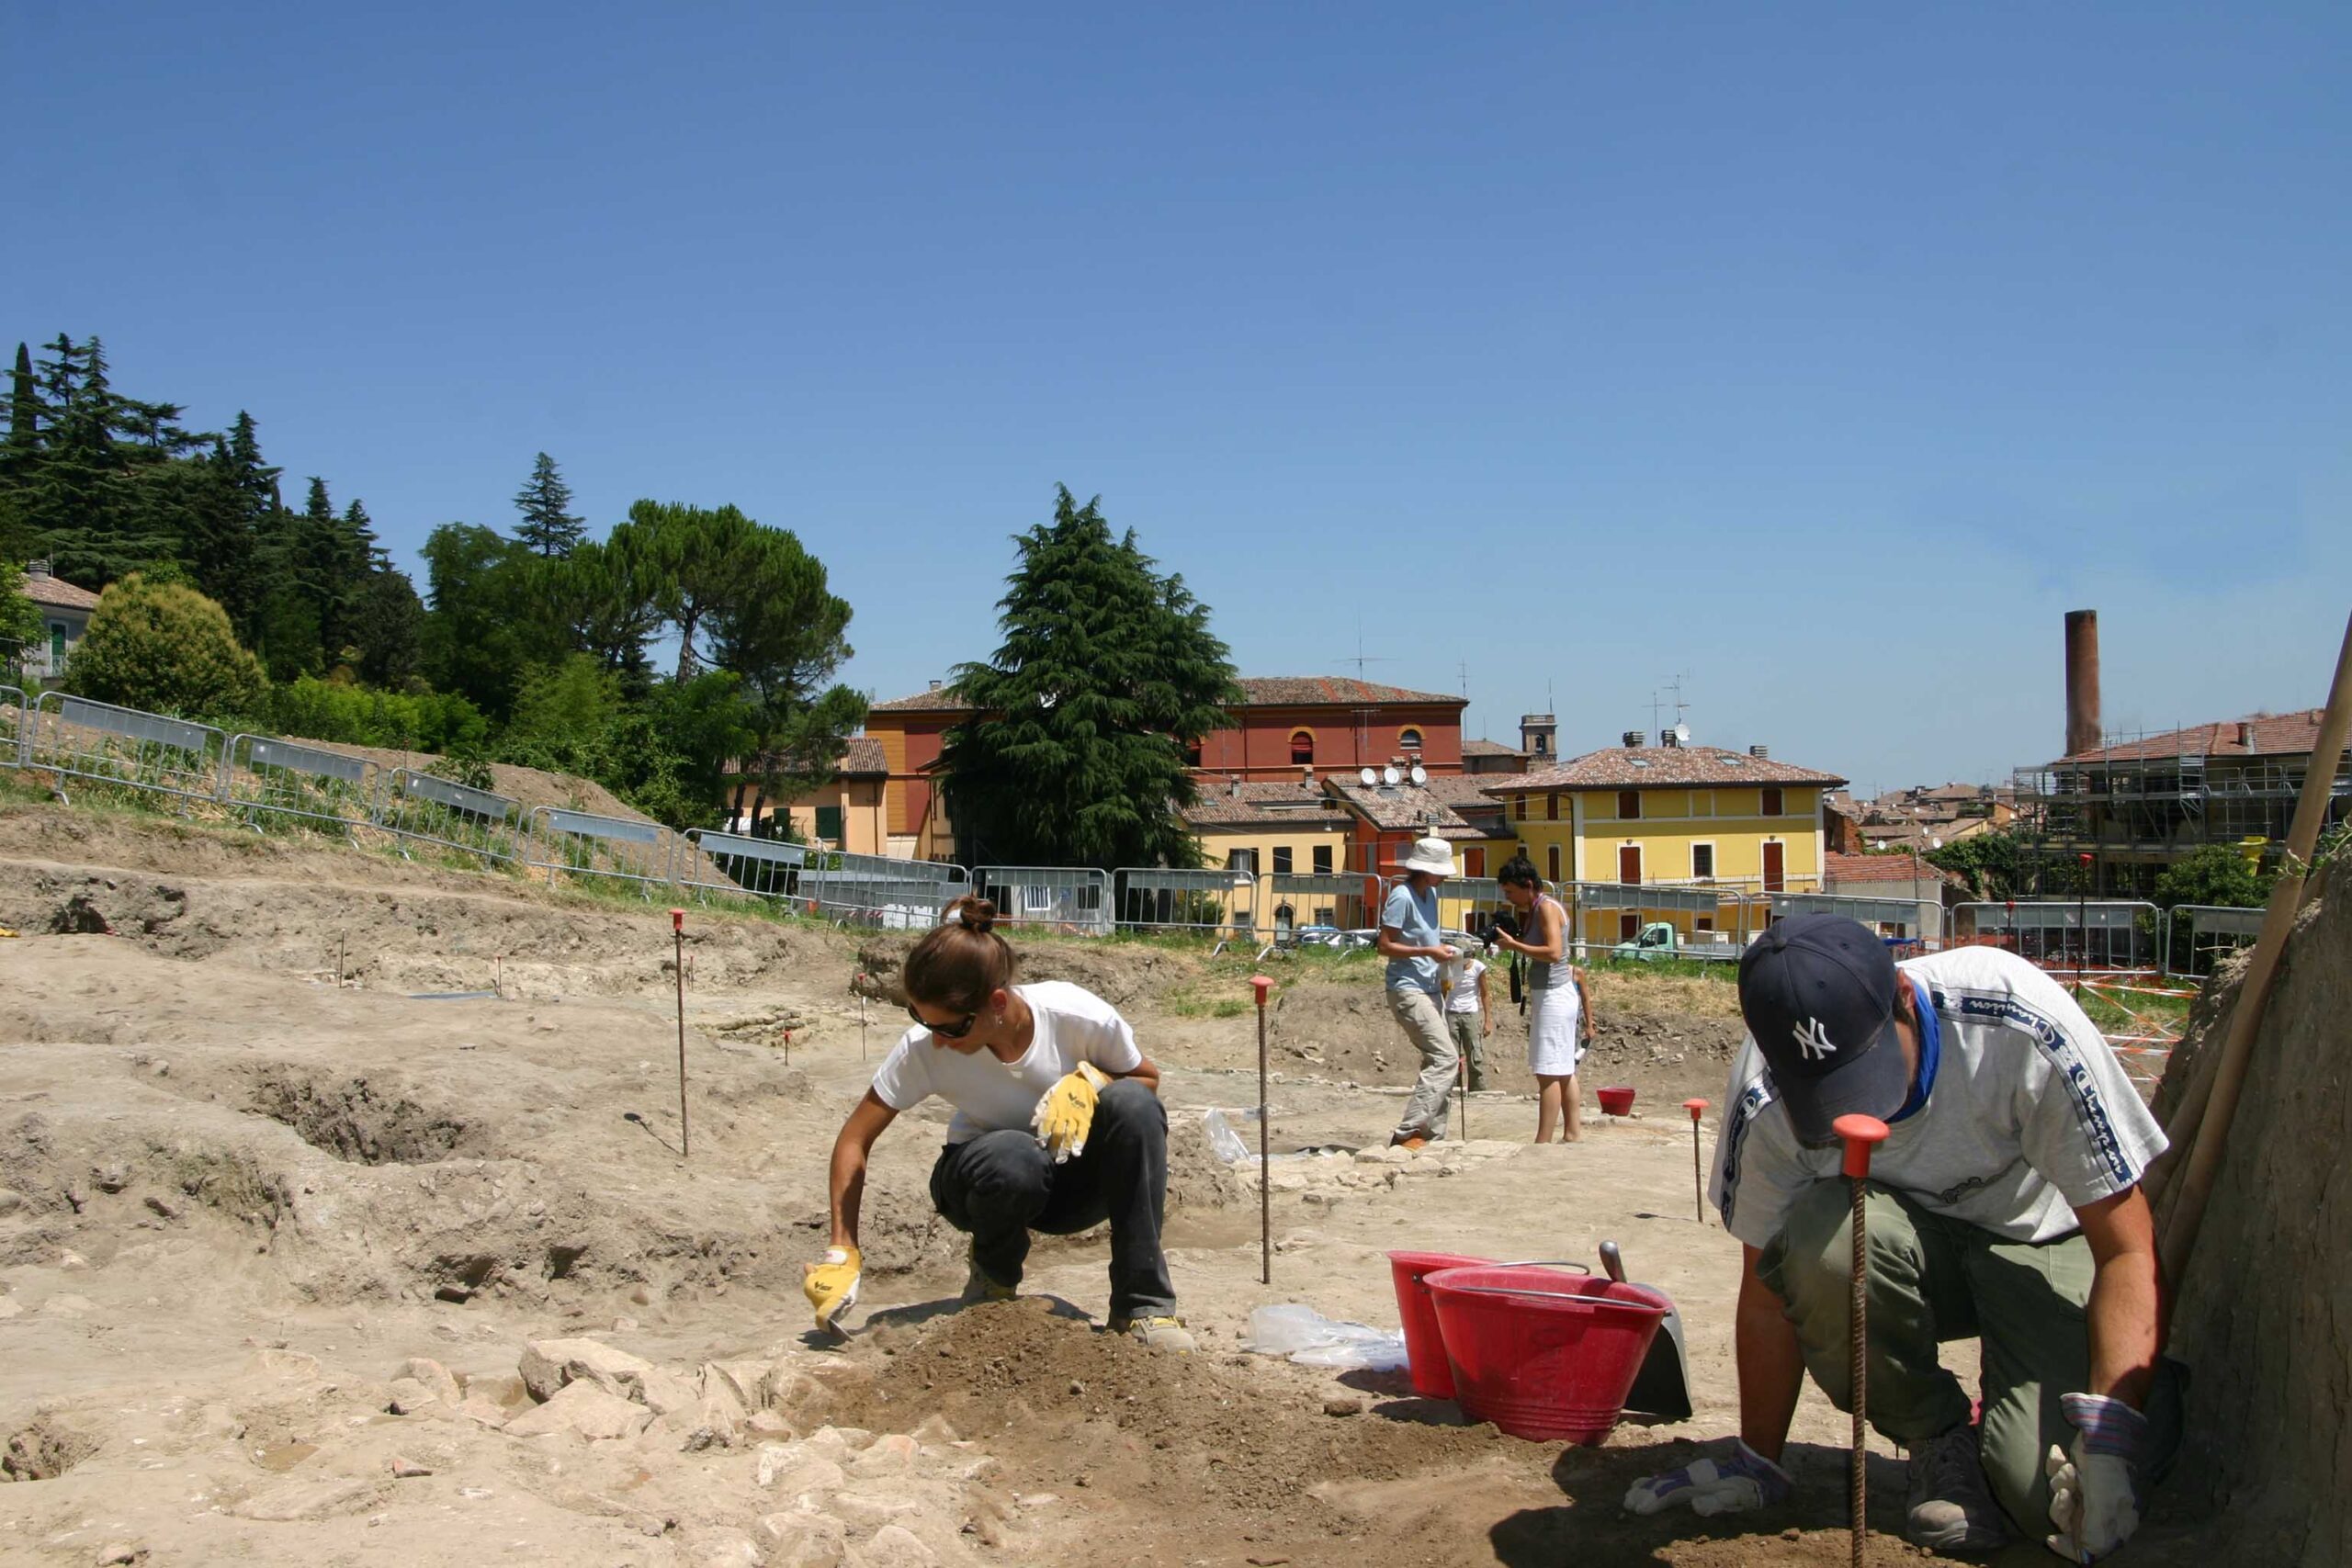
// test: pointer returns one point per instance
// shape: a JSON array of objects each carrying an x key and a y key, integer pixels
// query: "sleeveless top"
[{"x": 1540, "y": 972}]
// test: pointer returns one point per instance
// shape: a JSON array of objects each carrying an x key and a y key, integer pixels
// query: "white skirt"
[{"x": 1553, "y": 1016}]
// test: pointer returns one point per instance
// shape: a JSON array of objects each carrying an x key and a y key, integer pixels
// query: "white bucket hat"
[{"x": 1432, "y": 855}]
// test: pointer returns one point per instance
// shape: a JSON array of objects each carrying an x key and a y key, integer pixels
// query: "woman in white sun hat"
[{"x": 1409, "y": 939}]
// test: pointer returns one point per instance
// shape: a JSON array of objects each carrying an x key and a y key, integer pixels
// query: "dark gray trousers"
[{"x": 999, "y": 1187}]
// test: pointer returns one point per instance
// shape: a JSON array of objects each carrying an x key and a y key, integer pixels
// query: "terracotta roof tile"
[
  {"x": 1285, "y": 804},
  {"x": 1653, "y": 767},
  {"x": 1335, "y": 691},
  {"x": 58, "y": 594},
  {"x": 1395, "y": 807},
  {"x": 1489, "y": 748},
  {"x": 939, "y": 699},
  {"x": 1846, "y": 870},
  {"x": 1464, "y": 792},
  {"x": 2271, "y": 735}
]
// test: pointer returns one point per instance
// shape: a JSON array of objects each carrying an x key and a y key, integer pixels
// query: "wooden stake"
[{"x": 2212, "y": 1131}]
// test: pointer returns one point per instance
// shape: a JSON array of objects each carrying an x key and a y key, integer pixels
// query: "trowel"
[{"x": 1662, "y": 1387}]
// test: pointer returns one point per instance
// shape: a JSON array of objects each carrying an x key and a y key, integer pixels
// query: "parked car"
[{"x": 1659, "y": 939}]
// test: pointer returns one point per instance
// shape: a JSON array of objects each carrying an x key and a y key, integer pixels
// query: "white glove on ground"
[{"x": 1742, "y": 1479}]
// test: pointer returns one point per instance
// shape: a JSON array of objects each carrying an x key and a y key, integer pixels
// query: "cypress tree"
[
  {"x": 549, "y": 527},
  {"x": 1075, "y": 753}
]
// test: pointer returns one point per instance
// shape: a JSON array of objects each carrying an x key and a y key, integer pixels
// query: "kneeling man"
[{"x": 2004, "y": 1205}]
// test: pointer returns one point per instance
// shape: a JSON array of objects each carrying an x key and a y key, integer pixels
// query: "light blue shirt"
[{"x": 1414, "y": 916}]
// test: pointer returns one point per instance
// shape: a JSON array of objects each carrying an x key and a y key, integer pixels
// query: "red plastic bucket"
[
  {"x": 1540, "y": 1353},
  {"x": 1424, "y": 1347},
  {"x": 1615, "y": 1101}
]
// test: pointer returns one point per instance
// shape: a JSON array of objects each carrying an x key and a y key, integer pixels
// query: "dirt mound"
[
  {"x": 1180, "y": 1460},
  {"x": 2261, "y": 1318}
]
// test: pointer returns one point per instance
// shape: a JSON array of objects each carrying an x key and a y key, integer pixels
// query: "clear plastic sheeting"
[{"x": 1305, "y": 1336}]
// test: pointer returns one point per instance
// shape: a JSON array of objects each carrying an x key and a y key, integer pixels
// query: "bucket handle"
[
  {"x": 1542, "y": 1263},
  {"x": 1562, "y": 1296}
]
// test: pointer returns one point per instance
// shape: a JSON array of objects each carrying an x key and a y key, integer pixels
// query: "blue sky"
[{"x": 1828, "y": 355}]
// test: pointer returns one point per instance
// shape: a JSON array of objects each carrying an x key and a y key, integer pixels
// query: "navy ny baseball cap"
[{"x": 1818, "y": 994}]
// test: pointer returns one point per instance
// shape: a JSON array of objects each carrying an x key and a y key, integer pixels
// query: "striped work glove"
[{"x": 2094, "y": 1490}]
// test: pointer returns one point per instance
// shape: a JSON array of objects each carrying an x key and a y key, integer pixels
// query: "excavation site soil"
[{"x": 347, "y": 1215}]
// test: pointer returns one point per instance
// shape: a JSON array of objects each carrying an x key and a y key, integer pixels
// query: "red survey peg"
[
  {"x": 1261, "y": 984},
  {"x": 1858, "y": 1134},
  {"x": 677, "y": 919},
  {"x": 1696, "y": 1107}
]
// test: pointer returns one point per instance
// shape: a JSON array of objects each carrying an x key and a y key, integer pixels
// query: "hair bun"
[{"x": 976, "y": 914}]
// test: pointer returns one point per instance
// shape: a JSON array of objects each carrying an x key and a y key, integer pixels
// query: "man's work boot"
[
  {"x": 978, "y": 1286},
  {"x": 1950, "y": 1507},
  {"x": 1160, "y": 1333}
]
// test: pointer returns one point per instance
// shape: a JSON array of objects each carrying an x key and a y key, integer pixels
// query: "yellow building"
[
  {"x": 1689, "y": 817},
  {"x": 847, "y": 811},
  {"x": 1265, "y": 829}
]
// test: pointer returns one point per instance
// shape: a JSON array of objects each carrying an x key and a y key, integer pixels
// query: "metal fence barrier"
[
  {"x": 881, "y": 890},
  {"x": 2197, "y": 937},
  {"x": 1622, "y": 919},
  {"x": 1913, "y": 919},
  {"x": 1317, "y": 905},
  {"x": 739, "y": 865},
  {"x": 76, "y": 737},
  {"x": 1207, "y": 901},
  {"x": 2063, "y": 933},
  {"x": 285, "y": 778},
  {"x": 453, "y": 816},
  {"x": 1066, "y": 899},
  {"x": 625, "y": 849},
  {"x": 14, "y": 732}
]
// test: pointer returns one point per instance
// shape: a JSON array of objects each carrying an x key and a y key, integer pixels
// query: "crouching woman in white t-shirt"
[{"x": 1058, "y": 1127}]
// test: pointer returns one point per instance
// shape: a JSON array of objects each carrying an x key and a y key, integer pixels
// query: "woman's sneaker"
[
  {"x": 1160, "y": 1333},
  {"x": 1950, "y": 1505},
  {"x": 977, "y": 1286}
]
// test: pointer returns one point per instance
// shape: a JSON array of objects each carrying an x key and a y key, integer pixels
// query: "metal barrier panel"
[
  {"x": 1066, "y": 898},
  {"x": 881, "y": 890},
  {"x": 454, "y": 815},
  {"x": 2063, "y": 933},
  {"x": 290, "y": 780},
  {"x": 735, "y": 862},
  {"x": 1204, "y": 900},
  {"x": 1466, "y": 903},
  {"x": 1917, "y": 920},
  {"x": 123, "y": 746},
  {"x": 1319, "y": 904},
  {"x": 1623, "y": 920},
  {"x": 13, "y": 732},
  {"x": 2198, "y": 936},
  {"x": 623, "y": 848}
]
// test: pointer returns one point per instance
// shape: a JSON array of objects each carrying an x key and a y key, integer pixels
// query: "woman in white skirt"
[{"x": 1559, "y": 1014}]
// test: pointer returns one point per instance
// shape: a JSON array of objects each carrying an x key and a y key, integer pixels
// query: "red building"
[{"x": 1286, "y": 726}]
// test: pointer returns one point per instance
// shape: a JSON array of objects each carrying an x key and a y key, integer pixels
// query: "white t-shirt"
[
  {"x": 2028, "y": 1117},
  {"x": 1463, "y": 976},
  {"x": 1074, "y": 1025}
]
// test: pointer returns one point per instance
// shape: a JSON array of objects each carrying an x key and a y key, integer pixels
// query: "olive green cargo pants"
[{"x": 1933, "y": 1277}]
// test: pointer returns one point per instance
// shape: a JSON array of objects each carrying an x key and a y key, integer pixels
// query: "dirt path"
[{"x": 239, "y": 1201}]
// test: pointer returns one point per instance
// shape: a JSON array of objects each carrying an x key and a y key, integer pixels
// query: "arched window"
[
  {"x": 1409, "y": 739},
  {"x": 1302, "y": 748}
]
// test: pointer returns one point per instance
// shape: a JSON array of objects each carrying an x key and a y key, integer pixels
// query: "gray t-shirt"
[
  {"x": 2029, "y": 1116},
  {"x": 1074, "y": 1025},
  {"x": 1413, "y": 915}
]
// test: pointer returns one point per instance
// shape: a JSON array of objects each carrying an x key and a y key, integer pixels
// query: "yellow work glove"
[
  {"x": 832, "y": 1286},
  {"x": 1067, "y": 1112}
]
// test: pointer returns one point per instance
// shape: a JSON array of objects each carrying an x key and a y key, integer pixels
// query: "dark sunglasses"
[{"x": 944, "y": 1030}]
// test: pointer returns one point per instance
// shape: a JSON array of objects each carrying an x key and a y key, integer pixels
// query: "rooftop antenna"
[{"x": 1360, "y": 658}]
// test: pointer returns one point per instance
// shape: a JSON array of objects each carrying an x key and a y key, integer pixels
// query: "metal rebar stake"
[
  {"x": 678, "y": 965},
  {"x": 1697, "y": 1175},
  {"x": 1260, "y": 985},
  {"x": 1860, "y": 1133}
]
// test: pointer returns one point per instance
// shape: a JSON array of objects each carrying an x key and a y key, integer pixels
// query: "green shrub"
[
  {"x": 361, "y": 715},
  {"x": 164, "y": 647}
]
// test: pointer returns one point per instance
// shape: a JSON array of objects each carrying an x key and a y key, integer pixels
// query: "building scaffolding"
[{"x": 2141, "y": 803}]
